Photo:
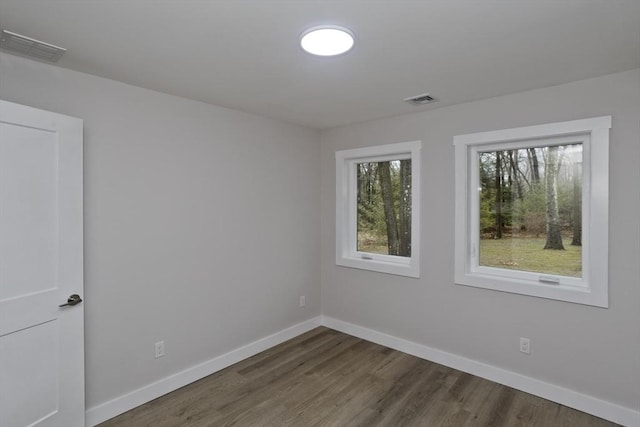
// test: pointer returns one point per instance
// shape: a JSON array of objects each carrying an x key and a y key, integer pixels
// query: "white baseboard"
[
  {"x": 128, "y": 401},
  {"x": 599, "y": 408},
  {"x": 570, "y": 398}
]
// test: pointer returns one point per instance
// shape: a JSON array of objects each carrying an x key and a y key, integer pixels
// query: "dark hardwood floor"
[{"x": 327, "y": 378}]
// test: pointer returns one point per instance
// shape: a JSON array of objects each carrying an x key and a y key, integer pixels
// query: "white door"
[{"x": 41, "y": 344}]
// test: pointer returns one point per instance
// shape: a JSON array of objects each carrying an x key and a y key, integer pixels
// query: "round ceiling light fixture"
[{"x": 327, "y": 40}]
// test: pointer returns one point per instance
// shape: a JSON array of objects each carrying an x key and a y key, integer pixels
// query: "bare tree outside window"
[
  {"x": 384, "y": 207},
  {"x": 530, "y": 205}
]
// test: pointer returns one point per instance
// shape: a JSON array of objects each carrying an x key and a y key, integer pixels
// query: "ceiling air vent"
[
  {"x": 425, "y": 98},
  {"x": 30, "y": 47}
]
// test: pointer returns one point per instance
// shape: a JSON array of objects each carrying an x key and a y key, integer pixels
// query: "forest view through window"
[
  {"x": 384, "y": 207},
  {"x": 530, "y": 209}
]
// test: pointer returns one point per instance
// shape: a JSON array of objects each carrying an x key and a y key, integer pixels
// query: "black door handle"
[{"x": 73, "y": 300}]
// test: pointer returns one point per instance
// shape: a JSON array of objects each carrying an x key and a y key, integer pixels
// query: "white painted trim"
[
  {"x": 533, "y": 132},
  {"x": 121, "y": 404},
  {"x": 573, "y": 399}
]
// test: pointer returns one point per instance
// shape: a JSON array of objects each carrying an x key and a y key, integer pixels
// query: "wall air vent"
[
  {"x": 425, "y": 98},
  {"x": 30, "y": 47}
]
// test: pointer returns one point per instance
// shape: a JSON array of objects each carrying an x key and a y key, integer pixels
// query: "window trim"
[
  {"x": 592, "y": 287},
  {"x": 347, "y": 254}
]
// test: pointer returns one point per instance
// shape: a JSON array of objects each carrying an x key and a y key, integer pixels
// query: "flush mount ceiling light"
[{"x": 327, "y": 40}]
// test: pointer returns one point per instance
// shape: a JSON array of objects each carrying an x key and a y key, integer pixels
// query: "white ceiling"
[{"x": 244, "y": 54}]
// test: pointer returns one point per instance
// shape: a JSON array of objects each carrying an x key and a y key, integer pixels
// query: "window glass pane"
[
  {"x": 384, "y": 207},
  {"x": 530, "y": 209}
]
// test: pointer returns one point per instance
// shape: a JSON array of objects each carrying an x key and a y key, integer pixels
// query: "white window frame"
[
  {"x": 347, "y": 253},
  {"x": 592, "y": 287}
]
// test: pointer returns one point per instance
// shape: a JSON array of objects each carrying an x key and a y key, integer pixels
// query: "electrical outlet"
[
  {"x": 159, "y": 349},
  {"x": 303, "y": 301},
  {"x": 525, "y": 345}
]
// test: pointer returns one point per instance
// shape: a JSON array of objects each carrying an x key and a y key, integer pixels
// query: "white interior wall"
[
  {"x": 201, "y": 224},
  {"x": 590, "y": 350},
  {"x": 202, "y": 228}
]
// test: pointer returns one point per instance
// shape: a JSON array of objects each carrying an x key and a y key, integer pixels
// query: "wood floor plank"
[{"x": 327, "y": 378}]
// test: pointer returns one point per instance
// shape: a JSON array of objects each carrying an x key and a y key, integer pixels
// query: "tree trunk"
[
  {"x": 498, "y": 182},
  {"x": 405, "y": 209},
  {"x": 513, "y": 160},
  {"x": 386, "y": 191},
  {"x": 554, "y": 238},
  {"x": 577, "y": 206},
  {"x": 535, "y": 167},
  {"x": 362, "y": 183},
  {"x": 366, "y": 185}
]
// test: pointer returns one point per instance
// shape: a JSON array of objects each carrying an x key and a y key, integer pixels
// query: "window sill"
[
  {"x": 562, "y": 292},
  {"x": 398, "y": 266}
]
